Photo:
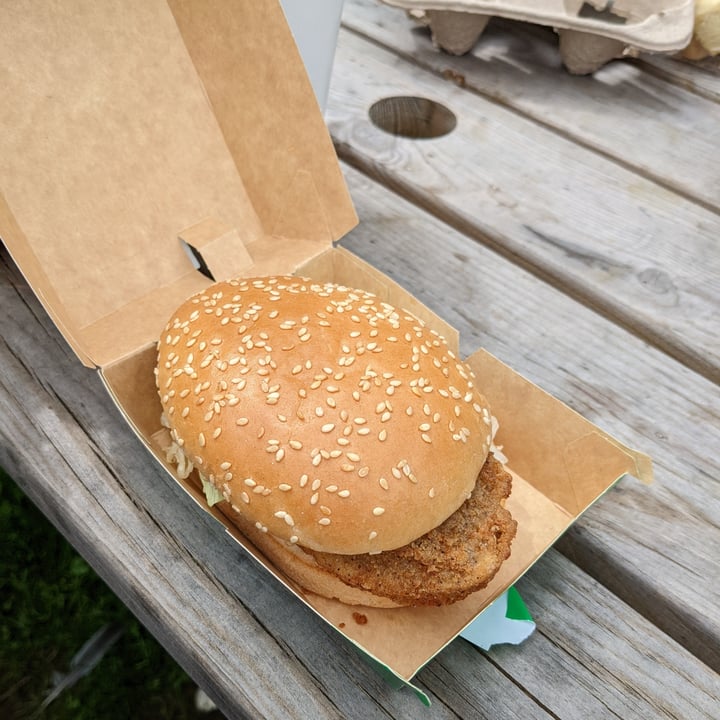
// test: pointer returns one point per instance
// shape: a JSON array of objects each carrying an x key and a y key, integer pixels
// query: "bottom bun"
[{"x": 301, "y": 567}]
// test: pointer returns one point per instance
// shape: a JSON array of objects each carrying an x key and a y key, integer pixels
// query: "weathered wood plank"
[
  {"x": 240, "y": 635},
  {"x": 606, "y": 686},
  {"x": 639, "y": 253},
  {"x": 649, "y": 545},
  {"x": 702, "y": 78},
  {"x": 637, "y": 118},
  {"x": 648, "y": 666},
  {"x": 256, "y": 650},
  {"x": 69, "y": 449}
]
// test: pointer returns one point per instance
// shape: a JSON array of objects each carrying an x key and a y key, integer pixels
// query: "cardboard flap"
[
  {"x": 303, "y": 214},
  {"x": 565, "y": 456},
  {"x": 217, "y": 248},
  {"x": 265, "y": 106},
  {"x": 113, "y": 142}
]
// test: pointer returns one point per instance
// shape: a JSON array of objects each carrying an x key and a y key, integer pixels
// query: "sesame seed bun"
[{"x": 325, "y": 417}]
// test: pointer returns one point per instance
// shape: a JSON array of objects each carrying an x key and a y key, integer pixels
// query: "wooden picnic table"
[{"x": 569, "y": 225}]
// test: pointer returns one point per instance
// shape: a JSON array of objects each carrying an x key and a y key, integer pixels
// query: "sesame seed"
[
  {"x": 201, "y": 439},
  {"x": 382, "y": 435},
  {"x": 372, "y": 535},
  {"x": 324, "y": 521},
  {"x": 353, "y": 456},
  {"x": 242, "y": 421},
  {"x": 279, "y": 455},
  {"x": 426, "y": 438},
  {"x": 383, "y": 483},
  {"x": 346, "y": 467},
  {"x": 284, "y": 487},
  {"x": 303, "y": 480},
  {"x": 378, "y": 511},
  {"x": 295, "y": 444},
  {"x": 364, "y": 431},
  {"x": 344, "y": 493}
]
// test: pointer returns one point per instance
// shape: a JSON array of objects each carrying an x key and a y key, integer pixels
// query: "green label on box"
[{"x": 506, "y": 620}]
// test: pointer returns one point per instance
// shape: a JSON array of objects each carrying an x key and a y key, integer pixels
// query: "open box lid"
[{"x": 128, "y": 126}]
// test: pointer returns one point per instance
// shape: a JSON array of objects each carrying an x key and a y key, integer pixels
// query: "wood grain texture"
[
  {"x": 649, "y": 545},
  {"x": 650, "y": 124},
  {"x": 636, "y": 252},
  {"x": 257, "y": 651},
  {"x": 701, "y": 77},
  {"x": 647, "y": 668}
]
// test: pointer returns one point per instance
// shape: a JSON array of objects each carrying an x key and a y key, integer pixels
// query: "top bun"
[{"x": 325, "y": 416}]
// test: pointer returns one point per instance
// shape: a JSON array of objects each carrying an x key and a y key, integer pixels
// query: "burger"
[{"x": 341, "y": 435}]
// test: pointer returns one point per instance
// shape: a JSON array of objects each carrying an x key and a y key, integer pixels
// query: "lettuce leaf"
[{"x": 212, "y": 494}]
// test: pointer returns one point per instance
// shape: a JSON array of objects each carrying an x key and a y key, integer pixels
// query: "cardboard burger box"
[{"x": 147, "y": 133}]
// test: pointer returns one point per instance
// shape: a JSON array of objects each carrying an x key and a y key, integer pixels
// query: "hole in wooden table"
[{"x": 412, "y": 117}]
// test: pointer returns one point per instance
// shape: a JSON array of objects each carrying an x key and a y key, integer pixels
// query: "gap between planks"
[
  {"x": 629, "y": 538},
  {"x": 681, "y": 341},
  {"x": 569, "y": 285},
  {"x": 382, "y": 27}
]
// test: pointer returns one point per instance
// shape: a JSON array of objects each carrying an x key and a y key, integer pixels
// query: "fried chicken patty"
[{"x": 445, "y": 565}]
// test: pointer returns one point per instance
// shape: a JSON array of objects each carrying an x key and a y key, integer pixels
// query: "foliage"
[{"x": 51, "y": 602}]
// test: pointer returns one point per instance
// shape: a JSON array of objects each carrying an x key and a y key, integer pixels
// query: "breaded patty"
[{"x": 445, "y": 565}]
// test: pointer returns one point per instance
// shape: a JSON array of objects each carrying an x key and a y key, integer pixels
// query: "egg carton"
[
  {"x": 591, "y": 32},
  {"x": 706, "y": 35}
]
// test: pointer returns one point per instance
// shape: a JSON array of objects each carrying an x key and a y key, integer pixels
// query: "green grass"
[{"x": 52, "y": 602}]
